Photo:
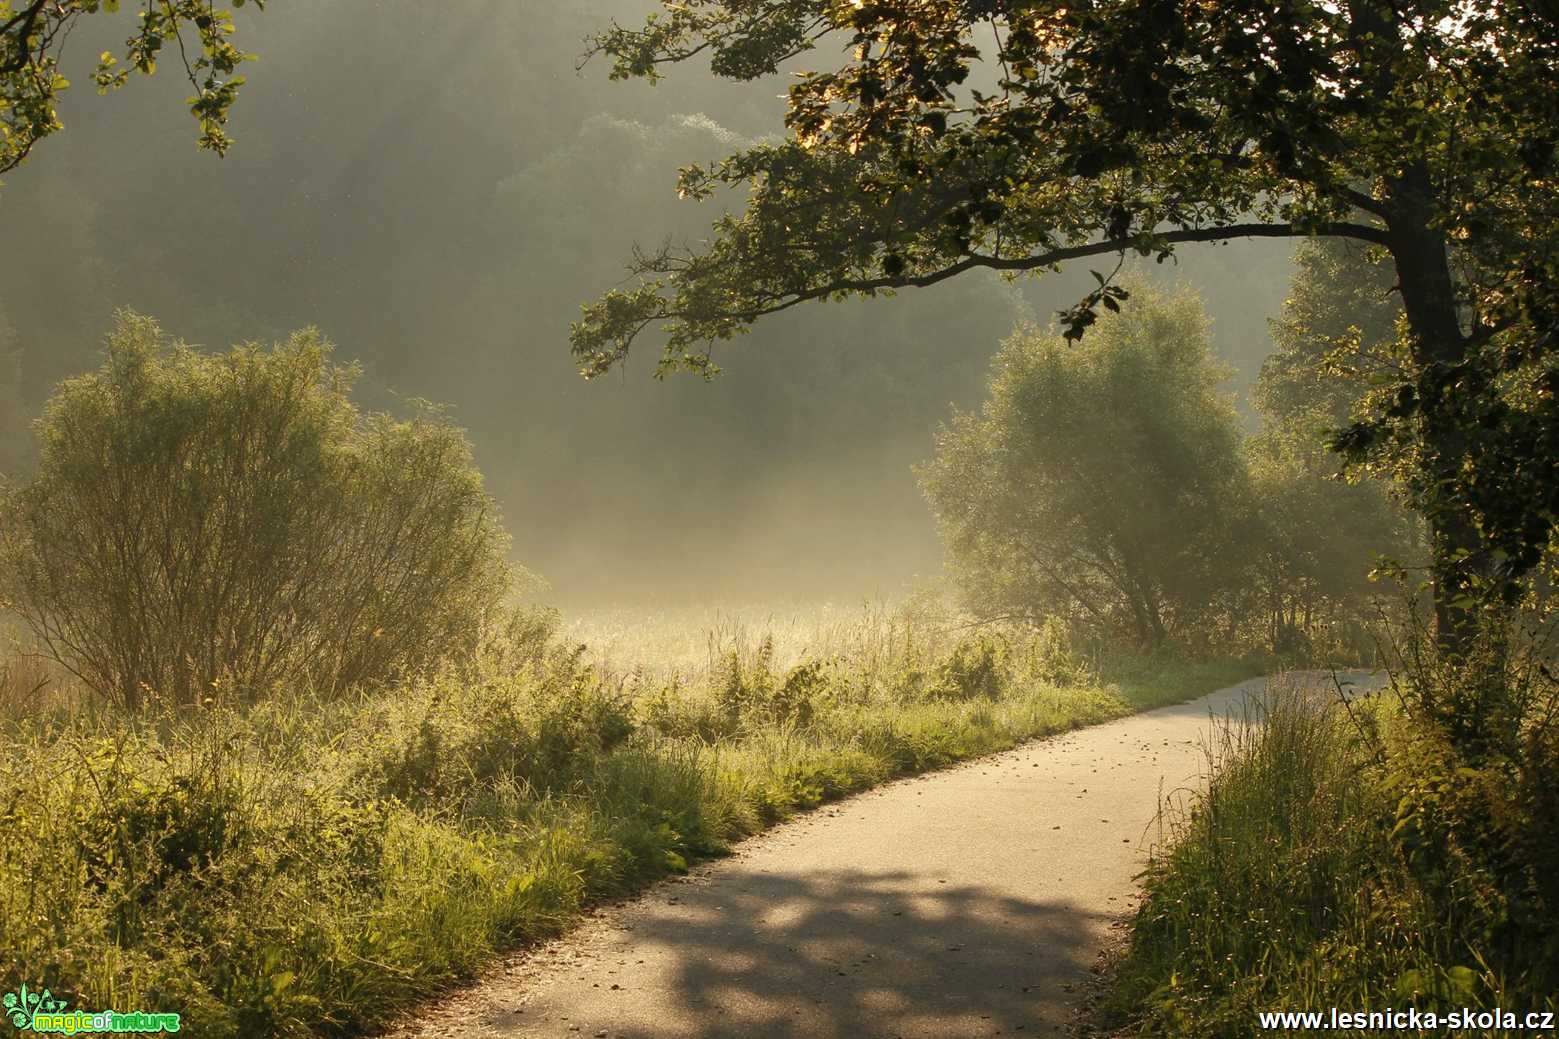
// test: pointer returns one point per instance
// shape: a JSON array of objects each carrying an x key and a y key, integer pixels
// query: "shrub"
[
  {"x": 437, "y": 744},
  {"x": 199, "y": 521},
  {"x": 754, "y": 693},
  {"x": 975, "y": 669},
  {"x": 1051, "y": 657},
  {"x": 1477, "y": 823}
]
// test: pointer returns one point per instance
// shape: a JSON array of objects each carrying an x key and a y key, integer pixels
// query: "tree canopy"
[
  {"x": 32, "y": 38},
  {"x": 1019, "y": 134},
  {"x": 1102, "y": 482},
  {"x": 1108, "y": 127},
  {"x": 1336, "y": 335},
  {"x": 197, "y": 519}
]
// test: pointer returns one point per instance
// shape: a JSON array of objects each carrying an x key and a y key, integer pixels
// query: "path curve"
[{"x": 967, "y": 902}]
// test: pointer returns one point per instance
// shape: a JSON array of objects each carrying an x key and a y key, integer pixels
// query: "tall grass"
[
  {"x": 30, "y": 681},
  {"x": 304, "y": 866},
  {"x": 1343, "y": 858}
]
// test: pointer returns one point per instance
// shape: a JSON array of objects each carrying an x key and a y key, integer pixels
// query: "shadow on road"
[{"x": 840, "y": 954}]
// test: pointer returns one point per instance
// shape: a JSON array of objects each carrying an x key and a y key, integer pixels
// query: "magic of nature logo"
[{"x": 34, "y": 1011}]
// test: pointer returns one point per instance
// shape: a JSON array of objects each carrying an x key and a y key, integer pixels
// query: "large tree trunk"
[{"x": 1429, "y": 299}]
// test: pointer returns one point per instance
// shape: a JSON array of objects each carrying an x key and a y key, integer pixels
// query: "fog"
[{"x": 438, "y": 189}]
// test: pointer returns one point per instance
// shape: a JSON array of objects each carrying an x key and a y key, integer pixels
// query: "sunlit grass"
[
  {"x": 1338, "y": 860},
  {"x": 300, "y": 866}
]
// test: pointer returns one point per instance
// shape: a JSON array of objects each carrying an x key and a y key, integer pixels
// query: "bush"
[
  {"x": 1051, "y": 657},
  {"x": 975, "y": 669},
  {"x": 202, "y": 521}
]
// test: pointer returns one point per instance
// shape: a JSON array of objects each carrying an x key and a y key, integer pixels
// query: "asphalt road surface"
[{"x": 968, "y": 902}]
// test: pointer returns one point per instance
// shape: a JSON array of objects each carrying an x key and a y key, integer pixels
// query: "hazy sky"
[{"x": 437, "y": 188}]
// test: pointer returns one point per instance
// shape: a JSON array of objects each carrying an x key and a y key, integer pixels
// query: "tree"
[
  {"x": 33, "y": 33},
  {"x": 1336, "y": 336},
  {"x": 198, "y": 522},
  {"x": 1100, "y": 481},
  {"x": 1019, "y": 134},
  {"x": 1317, "y": 537},
  {"x": 1323, "y": 532}
]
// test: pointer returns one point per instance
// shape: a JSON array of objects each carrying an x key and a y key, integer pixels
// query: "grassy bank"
[
  {"x": 294, "y": 867},
  {"x": 1351, "y": 862}
]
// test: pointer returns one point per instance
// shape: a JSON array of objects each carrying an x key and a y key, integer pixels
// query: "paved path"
[{"x": 969, "y": 902}]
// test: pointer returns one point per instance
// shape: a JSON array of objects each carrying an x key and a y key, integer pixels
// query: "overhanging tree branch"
[
  {"x": 1036, "y": 261},
  {"x": 1364, "y": 232}
]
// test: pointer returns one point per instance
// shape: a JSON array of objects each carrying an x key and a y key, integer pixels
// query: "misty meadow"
[{"x": 778, "y": 518}]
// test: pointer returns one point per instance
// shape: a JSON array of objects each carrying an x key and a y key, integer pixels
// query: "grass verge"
[
  {"x": 1347, "y": 860},
  {"x": 300, "y": 867}
]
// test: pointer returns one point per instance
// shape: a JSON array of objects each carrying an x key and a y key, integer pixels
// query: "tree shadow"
[{"x": 840, "y": 953}]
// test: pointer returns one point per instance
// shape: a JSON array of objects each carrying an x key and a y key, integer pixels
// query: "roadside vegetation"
[
  {"x": 1353, "y": 858},
  {"x": 1392, "y": 850},
  {"x": 304, "y": 864},
  {"x": 284, "y": 755}
]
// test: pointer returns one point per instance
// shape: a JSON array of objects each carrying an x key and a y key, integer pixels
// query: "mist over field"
[{"x": 437, "y": 191}]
